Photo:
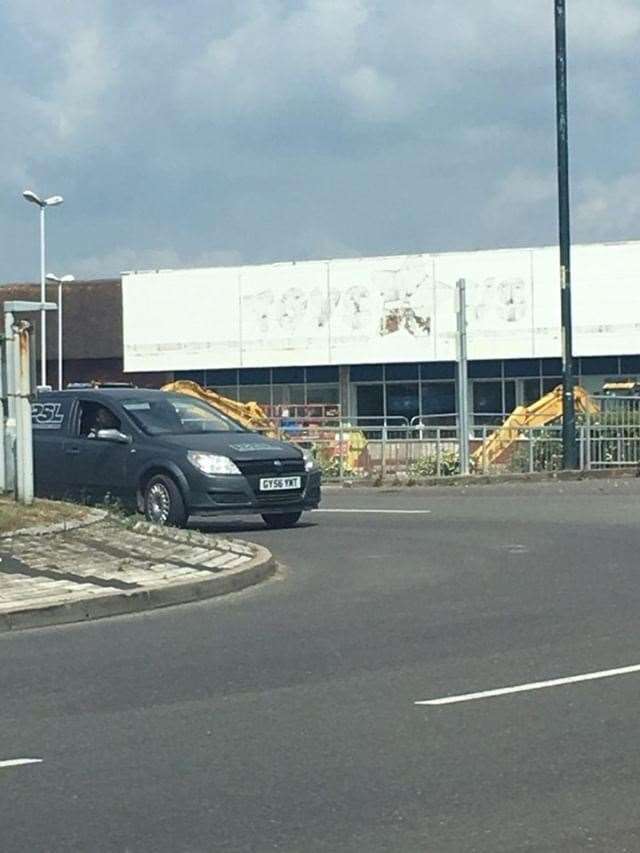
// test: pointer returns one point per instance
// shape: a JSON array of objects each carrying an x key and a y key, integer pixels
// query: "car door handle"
[{"x": 72, "y": 451}]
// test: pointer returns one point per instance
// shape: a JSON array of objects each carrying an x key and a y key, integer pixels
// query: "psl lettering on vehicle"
[{"x": 47, "y": 415}]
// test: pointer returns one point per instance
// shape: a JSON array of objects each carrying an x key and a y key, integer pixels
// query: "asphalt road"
[{"x": 284, "y": 718}]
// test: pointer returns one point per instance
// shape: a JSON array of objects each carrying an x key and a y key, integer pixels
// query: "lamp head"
[{"x": 29, "y": 195}]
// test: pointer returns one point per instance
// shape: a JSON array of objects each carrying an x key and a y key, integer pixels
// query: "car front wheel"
[
  {"x": 163, "y": 503},
  {"x": 278, "y": 520}
]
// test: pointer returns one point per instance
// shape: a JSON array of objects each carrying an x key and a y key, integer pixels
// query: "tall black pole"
[{"x": 569, "y": 446}]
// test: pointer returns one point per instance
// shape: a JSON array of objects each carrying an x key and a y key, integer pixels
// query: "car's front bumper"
[{"x": 235, "y": 495}]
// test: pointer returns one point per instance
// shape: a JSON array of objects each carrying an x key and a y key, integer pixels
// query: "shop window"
[
  {"x": 255, "y": 393},
  {"x": 551, "y": 366},
  {"x": 630, "y": 364},
  {"x": 370, "y": 401},
  {"x": 522, "y": 367},
  {"x": 329, "y": 394},
  {"x": 509, "y": 397},
  {"x": 531, "y": 391},
  {"x": 230, "y": 391},
  {"x": 438, "y": 370},
  {"x": 599, "y": 366},
  {"x": 401, "y": 371},
  {"x": 288, "y": 395},
  {"x": 366, "y": 372},
  {"x": 550, "y": 382},
  {"x": 288, "y": 375},
  {"x": 438, "y": 398},
  {"x": 255, "y": 376},
  {"x": 221, "y": 377},
  {"x": 191, "y": 376},
  {"x": 487, "y": 402},
  {"x": 323, "y": 374},
  {"x": 485, "y": 369},
  {"x": 402, "y": 400}
]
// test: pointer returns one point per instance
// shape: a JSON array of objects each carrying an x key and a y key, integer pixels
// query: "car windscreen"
[{"x": 177, "y": 414}]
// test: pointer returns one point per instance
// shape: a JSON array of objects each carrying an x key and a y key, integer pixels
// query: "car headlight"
[
  {"x": 309, "y": 461},
  {"x": 212, "y": 463}
]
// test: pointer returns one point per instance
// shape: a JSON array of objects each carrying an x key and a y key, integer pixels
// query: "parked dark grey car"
[{"x": 169, "y": 454}]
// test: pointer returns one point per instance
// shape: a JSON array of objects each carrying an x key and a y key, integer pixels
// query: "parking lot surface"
[{"x": 286, "y": 717}]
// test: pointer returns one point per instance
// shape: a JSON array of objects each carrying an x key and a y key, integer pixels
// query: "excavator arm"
[
  {"x": 248, "y": 414},
  {"x": 544, "y": 411}
]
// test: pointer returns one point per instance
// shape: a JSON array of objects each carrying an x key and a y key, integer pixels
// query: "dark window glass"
[
  {"x": 551, "y": 366},
  {"x": 532, "y": 391},
  {"x": 323, "y": 394},
  {"x": 438, "y": 370},
  {"x": 370, "y": 402},
  {"x": 550, "y": 382},
  {"x": 366, "y": 372},
  {"x": 402, "y": 400},
  {"x": 288, "y": 374},
  {"x": 630, "y": 364},
  {"x": 522, "y": 367},
  {"x": 509, "y": 397},
  {"x": 401, "y": 371},
  {"x": 255, "y": 394},
  {"x": 322, "y": 374},
  {"x": 255, "y": 376},
  {"x": 221, "y": 377},
  {"x": 599, "y": 365},
  {"x": 485, "y": 369},
  {"x": 191, "y": 376},
  {"x": 438, "y": 398},
  {"x": 487, "y": 398}
]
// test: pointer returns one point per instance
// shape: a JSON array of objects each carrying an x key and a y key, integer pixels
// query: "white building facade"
[{"x": 377, "y": 335}]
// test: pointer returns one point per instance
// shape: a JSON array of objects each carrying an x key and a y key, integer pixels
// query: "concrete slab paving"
[{"x": 105, "y": 568}]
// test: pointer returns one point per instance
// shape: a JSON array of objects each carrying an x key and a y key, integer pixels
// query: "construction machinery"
[
  {"x": 323, "y": 434},
  {"x": 544, "y": 411},
  {"x": 250, "y": 415}
]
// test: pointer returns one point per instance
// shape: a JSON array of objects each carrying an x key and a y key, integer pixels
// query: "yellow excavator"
[
  {"x": 330, "y": 442},
  {"x": 544, "y": 411},
  {"x": 248, "y": 414}
]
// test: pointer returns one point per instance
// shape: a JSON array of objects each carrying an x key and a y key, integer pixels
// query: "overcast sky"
[{"x": 207, "y": 132}]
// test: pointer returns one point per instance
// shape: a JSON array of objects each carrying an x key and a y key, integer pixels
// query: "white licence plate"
[{"x": 279, "y": 484}]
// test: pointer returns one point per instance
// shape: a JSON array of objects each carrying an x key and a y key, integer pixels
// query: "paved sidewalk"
[{"x": 105, "y": 568}]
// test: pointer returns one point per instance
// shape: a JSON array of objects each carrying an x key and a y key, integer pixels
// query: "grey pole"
[
  {"x": 463, "y": 398},
  {"x": 60, "y": 336},
  {"x": 569, "y": 446},
  {"x": 30, "y": 196},
  {"x": 43, "y": 299},
  {"x": 18, "y": 353}
]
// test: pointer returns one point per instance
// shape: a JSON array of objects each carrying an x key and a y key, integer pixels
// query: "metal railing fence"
[{"x": 378, "y": 448}]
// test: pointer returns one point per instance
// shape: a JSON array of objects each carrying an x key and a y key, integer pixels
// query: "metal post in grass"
[{"x": 569, "y": 448}]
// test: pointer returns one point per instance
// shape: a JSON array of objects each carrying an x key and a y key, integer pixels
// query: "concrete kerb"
[
  {"x": 261, "y": 566},
  {"x": 490, "y": 479},
  {"x": 258, "y": 569},
  {"x": 91, "y": 516}
]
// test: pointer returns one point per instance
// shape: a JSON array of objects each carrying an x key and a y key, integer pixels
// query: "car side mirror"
[{"x": 113, "y": 435}]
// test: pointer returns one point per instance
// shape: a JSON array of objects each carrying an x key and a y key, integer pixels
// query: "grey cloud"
[{"x": 267, "y": 129}]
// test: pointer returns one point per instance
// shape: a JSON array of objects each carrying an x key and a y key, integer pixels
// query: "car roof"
[{"x": 115, "y": 394}]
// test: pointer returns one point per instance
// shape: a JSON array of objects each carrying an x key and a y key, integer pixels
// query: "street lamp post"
[
  {"x": 60, "y": 282},
  {"x": 42, "y": 203},
  {"x": 569, "y": 445}
]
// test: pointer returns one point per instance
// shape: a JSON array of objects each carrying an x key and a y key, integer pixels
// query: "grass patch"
[{"x": 14, "y": 516}]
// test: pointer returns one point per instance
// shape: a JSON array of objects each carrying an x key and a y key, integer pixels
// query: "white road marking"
[
  {"x": 384, "y": 511},
  {"x": 16, "y": 762},
  {"x": 535, "y": 685}
]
